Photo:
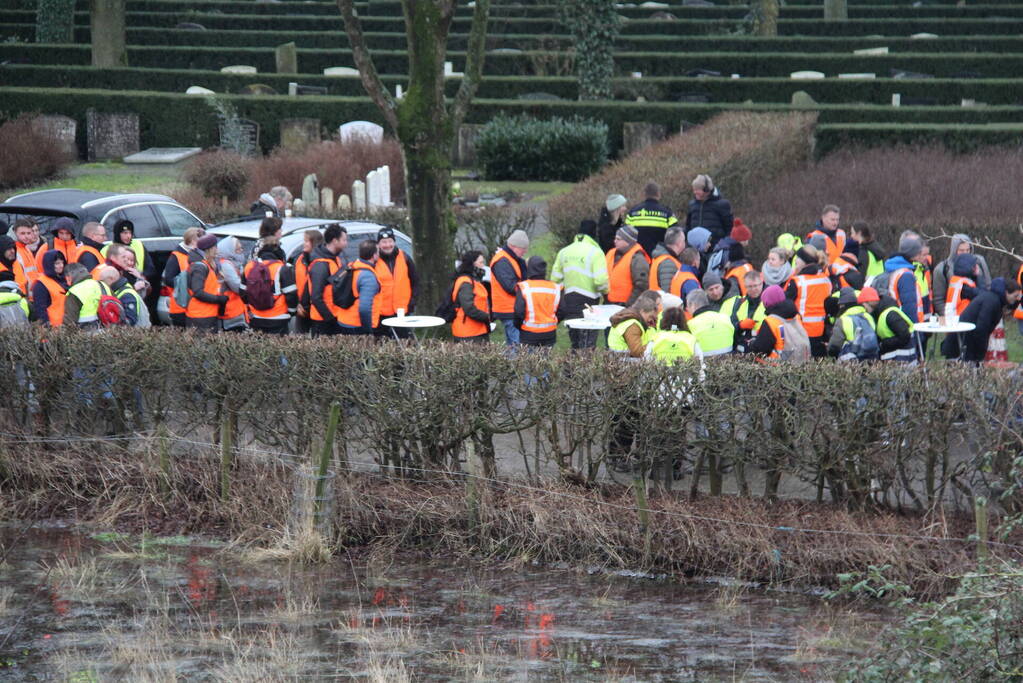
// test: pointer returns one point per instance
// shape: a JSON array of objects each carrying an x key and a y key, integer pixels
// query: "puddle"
[{"x": 92, "y": 607}]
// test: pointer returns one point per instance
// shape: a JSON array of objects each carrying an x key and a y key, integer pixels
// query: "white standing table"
[
  {"x": 957, "y": 328},
  {"x": 413, "y": 322}
]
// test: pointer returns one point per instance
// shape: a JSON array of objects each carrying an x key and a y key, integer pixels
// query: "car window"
[
  {"x": 355, "y": 238},
  {"x": 177, "y": 219},
  {"x": 45, "y": 220},
  {"x": 141, "y": 216}
]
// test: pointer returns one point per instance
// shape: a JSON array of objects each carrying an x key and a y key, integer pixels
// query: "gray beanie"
[
  {"x": 614, "y": 201},
  {"x": 847, "y": 297},
  {"x": 910, "y": 247},
  {"x": 519, "y": 239},
  {"x": 711, "y": 279},
  {"x": 818, "y": 242},
  {"x": 627, "y": 233}
]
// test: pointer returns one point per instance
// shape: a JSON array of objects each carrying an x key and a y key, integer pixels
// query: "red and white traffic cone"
[{"x": 996, "y": 350}]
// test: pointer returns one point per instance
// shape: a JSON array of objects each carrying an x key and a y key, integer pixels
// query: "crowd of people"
[{"x": 685, "y": 289}]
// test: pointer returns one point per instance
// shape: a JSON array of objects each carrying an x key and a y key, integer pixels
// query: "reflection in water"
[{"x": 206, "y": 614}]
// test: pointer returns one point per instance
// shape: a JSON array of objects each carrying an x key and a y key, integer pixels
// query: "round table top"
[
  {"x": 588, "y": 323},
  {"x": 947, "y": 328},
  {"x": 414, "y": 321},
  {"x": 605, "y": 310}
]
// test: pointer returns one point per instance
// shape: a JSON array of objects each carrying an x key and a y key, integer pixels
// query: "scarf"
[{"x": 775, "y": 275}]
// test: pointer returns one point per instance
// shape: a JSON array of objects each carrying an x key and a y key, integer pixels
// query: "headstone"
[
  {"x": 664, "y": 16},
  {"x": 637, "y": 135},
  {"x": 449, "y": 70},
  {"x": 703, "y": 73},
  {"x": 344, "y": 204},
  {"x": 654, "y": 5},
  {"x": 286, "y": 56},
  {"x": 326, "y": 198},
  {"x": 257, "y": 89},
  {"x": 364, "y": 129},
  {"x": 297, "y": 134},
  {"x": 801, "y": 98},
  {"x": 300, "y": 89},
  {"x": 465, "y": 149},
  {"x": 239, "y": 69},
  {"x": 243, "y": 136},
  {"x": 340, "y": 71},
  {"x": 311, "y": 192},
  {"x": 162, "y": 155},
  {"x": 359, "y": 196},
  {"x": 111, "y": 136},
  {"x": 372, "y": 190},
  {"x": 923, "y": 36},
  {"x": 871, "y": 51},
  {"x": 385, "y": 186},
  {"x": 969, "y": 103},
  {"x": 398, "y": 94},
  {"x": 859, "y": 76},
  {"x": 190, "y": 26},
  {"x": 806, "y": 75},
  {"x": 61, "y": 129},
  {"x": 896, "y": 99},
  {"x": 637, "y": 74},
  {"x": 199, "y": 90},
  {"x": 298, "y": 207}
]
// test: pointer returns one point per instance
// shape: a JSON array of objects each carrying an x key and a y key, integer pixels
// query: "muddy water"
[{"x": 76, "y": 605}]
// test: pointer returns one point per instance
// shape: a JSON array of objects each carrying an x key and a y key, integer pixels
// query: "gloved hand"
[{"x": 747, "y": 324}]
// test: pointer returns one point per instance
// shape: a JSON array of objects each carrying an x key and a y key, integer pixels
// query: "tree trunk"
[
  {"x": 106, "y": 18},
  {"x": 768, "y": 20},
  {"x": 427, "y": 191},
  {"x": 836, "y": 10}
]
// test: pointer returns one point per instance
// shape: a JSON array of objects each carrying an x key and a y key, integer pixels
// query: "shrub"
[
  {"x": 219, "y": 174},
  {"x": 738, "y": 149},
  {"x": 524, "y": 148},
  {"x": 27, "y": 155},
  {"x": 55, "y": 21}
]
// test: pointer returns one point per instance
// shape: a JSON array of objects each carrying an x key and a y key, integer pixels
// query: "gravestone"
[
  {"x": 385, "y": 186},
  {"x": 241, "y": 135},
  {"x": 344, "y": 204},
  {"x": 190, "y": 26},
  {"x": 297, "y": 134},
  {"x": 340, "y": 71},
  {"x": 286, "y": 56},
  {"x": 637, "y": 135},
  {"x": 871, "y": 51},
  {"x": 162, "y": 155},
  {"x": 311, "y": 192},
  {"x": 806, "y": 75},
  {"x": 359, "y": 196},
  {"x": 199, "y": 90},
  {"x": 924, "y": 36},
  {"x": 239, "y": 69},
  {"x": 372, "y": 189},
  {"x": 364, "y": 129},
  {"x": 61, "y": 129},
  {"x": 858, "y": 76},
  {"x": 111, "y": 136},
  {"x": 298, "y": 207},
  {"x": 257, "y": 89},
  {"x": 465, "y": 149},
  {"x": 896, "y": 99},
  {"x": 326, "y": 198},
  {"x": 801, "y": 98}
]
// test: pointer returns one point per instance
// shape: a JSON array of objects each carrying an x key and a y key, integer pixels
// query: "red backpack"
[
  {"x": 111, "y": 310},
  {"x": 259, "y": 287}
]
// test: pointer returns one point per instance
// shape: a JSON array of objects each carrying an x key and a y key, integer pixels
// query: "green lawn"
[
  {"x": 110, "y": 177},
  {"x": 536, "y": 190}
]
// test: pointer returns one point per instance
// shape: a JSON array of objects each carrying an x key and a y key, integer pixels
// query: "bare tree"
[{"x": 425, "y": 123}]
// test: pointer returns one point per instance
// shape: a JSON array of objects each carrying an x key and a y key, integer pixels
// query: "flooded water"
[{"x": 84, "y": 606}]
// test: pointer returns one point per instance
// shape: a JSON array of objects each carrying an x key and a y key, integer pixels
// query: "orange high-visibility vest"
[
  {"x": 328, "y": 294},
  {"x": 395, "y": 287},
  {"x": 58, "y": 295},
  {"x": 954, "y": 293},
  {"x": 100, "y": 261},
  {"x": 67, "y": 247},
  {"x": 211, "y": 285},
  {"x": 30, "y": 264},
  {"x": 833, "y": 247},
  {"x": 503, "y": 301},
  {"x": 279, "y": 310},
  {"x": 172, "y": 305},
  {"x": 620, "y": 274},
  {"x": 655, "y": 264},
  {"x": 838, "y": 270},
  {"x": 811, "y": 293},
  {"x": 235, "y": 305},
  {"x": 542, "y": 298},
  {"x": 680, "y": 279},
  {"x": 775, "y": 323},
  {"x": 1018, "y": 313},
  {"x": 302, "y": 275},
  {"x": 464, "y": 326},
  {"x": 19, "y": 275},
  {"x": 893, "y": 289},
  {"x": 350, "y": 316},
  {"x": 738, "y": 273}
]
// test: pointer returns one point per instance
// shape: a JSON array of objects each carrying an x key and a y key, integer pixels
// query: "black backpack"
[
  {"x": 341, "y": 288},
  {"x": 448, "y": 309}
]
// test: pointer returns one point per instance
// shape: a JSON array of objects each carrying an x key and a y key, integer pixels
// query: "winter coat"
[
  {"x": 985, "y": 311},
  {"x": 763, "y": 344},
  {"x": 713, "y": 213}
]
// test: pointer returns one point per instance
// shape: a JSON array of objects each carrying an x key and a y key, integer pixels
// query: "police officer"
[{"x": 650, "y": 218}]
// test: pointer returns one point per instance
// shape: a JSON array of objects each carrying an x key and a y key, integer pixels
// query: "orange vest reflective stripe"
[
  {"x": 58, "y": 295},
  {"x": 395, "y": 287},
  {"x": 1018, "y": 313},
  {"x": 681, "y": 277},
  {"x": 620, "y": 274},
  {"x": 279, "y": 311},
  {"x": 655, "y": 264},
  {"x": 811, "y": 293},
  {"x": 893, "y": 289},
  {"x": 328, "y": 294},
  {"x": 29, "y": 263},
  {"x": 172, "y": 305},
  {"x": 542, "y": 298},
  {"x": 201, "y": 309},
  {"x": 302, "y": 275},
  {"x": 833, "y": 247},
  {"x": 235, "y": 304},
  {"x": 954, "y": 293},
  {"x": 100, "y": 261},
  {"x": 738, "y": 273},
  {"x": 464, "y": 326},
  {"x": 503, "y": 301},
  {"x": 775, "y": 323},
  {"x": 19, "y": 275},
  {"x": 350, "y": 316}
]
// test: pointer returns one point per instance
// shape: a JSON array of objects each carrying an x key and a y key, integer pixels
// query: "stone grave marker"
[
  {"x": 365, "y": 129},
  {"x": 311, "y": 192},
  {"x": 111, "y": 136},
  {"x": 465, "y": 148},
  {"x": 60, "y": 128},
  {"x": 298, "y": 207},
  {"x": 297, "y": 134},
  {"x": 871, "y": 51},
  {"x": 199, "y": 90},
  {"x": 286, "y": 56},
  {"x": 639, "y": 134},
  {"x": 858, "y": 76},
  {"x": 340, "y": 71},
  {"x": 806, "y": 75},
  {"x": 162, "y": 155},
  {"x": 359, "y": 196},
  {"x": 373, "y": 189},
  {"x": 385, "y": 186},
  {"x": 801, "y": 98},
  {"x": 326, "y": 198},
  {"x": 239, "y": 69},
  {"x": 344, "y": 204}
]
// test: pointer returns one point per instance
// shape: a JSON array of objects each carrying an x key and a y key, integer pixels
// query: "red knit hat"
[
  {"x": 867, "y": 294},
  {"x": 740, "y": 233}
]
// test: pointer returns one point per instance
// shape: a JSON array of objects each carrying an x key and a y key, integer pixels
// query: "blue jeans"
[{"x": 511, "y": 333}]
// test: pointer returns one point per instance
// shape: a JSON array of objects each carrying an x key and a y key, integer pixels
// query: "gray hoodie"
[{"x": 944, "y": 271}]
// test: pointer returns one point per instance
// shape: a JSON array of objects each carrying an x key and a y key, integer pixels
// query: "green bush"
[
  {"x": 55, "y": 21},
  {"x": 525, "y": 148}
]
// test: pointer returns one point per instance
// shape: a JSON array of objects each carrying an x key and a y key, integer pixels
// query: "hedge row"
[
  {"x": 544, "y": 25},
  {"x": 958, "y": 137},
  {"x": 949, "y": 65},
  {"x": 717, "y": 90},
  {"x": 386, "y": 41},
  {"x": 175, "y": 120}
]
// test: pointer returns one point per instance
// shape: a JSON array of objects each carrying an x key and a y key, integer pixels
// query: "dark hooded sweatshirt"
[
  {"x": 40, "y": 294},
  {"x": 763, "y": 343},
  {"x": 319, "y": 273}
]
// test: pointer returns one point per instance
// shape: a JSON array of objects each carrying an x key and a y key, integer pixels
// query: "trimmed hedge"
[
  {"x": 175, "y": 119},
  {"x": 957, "y": 137},
  {"x": 989, "y": 65},
  {"x": 719, "y": 90},
  {"x": 525, "y": 148}
]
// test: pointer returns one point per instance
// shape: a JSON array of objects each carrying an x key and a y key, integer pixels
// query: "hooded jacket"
[
  {"x": 763, "y": 343},
  {"x": 41, "y": 299},
  {"x": 713, "y": 213},
  {"x": 985, "y": 311},
  {"x": 907, "y": 290},
  {"x": 634, "y": 335},
  {"x": 944, "y": 271},
  {"x": 7, "y": 243},
  {"x": 319, "y": 273}
]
